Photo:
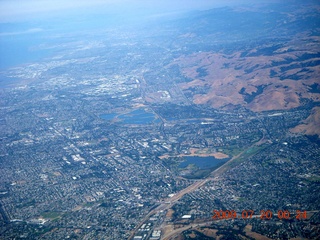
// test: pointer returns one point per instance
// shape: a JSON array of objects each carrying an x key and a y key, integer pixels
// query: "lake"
[{"x": 109, "y": 116}]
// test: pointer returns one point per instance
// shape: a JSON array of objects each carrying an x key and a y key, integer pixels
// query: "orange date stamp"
[{"x": 264, "y": 214}]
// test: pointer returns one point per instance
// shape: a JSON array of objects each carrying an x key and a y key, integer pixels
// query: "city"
[{"x": 103, "y": 140}]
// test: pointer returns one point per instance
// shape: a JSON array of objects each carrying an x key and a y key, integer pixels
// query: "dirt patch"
[
  {"x": 167, "y": 229},
  {"x": 169, "y": 213},
  {"x": 248, "y": 231},
  {"x": 57, "y": 174},
  {"x": 220, "y": 155},
  {"x": 210, "y": 232},
  {"x": 195, "y": 152}
]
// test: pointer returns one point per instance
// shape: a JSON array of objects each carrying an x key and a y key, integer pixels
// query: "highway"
[
  {"x": 168, "y": 203},
  {"x": 178, "y": 231}
]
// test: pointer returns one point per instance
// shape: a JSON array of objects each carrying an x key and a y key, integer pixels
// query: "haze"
[{"x": 19, "y": 10}]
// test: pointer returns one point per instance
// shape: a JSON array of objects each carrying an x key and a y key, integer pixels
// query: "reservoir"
[
  {"x": 202, "y": 162},
  {"x": 109, "y": 116}
]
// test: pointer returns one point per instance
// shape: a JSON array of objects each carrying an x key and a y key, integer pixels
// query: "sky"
[
  {"x": 26, "y": 17},
  {"x": 24, "y": 10},
  {"x": 26, "y": 24}
]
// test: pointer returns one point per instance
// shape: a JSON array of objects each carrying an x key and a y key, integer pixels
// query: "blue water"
[
  {"x": 109, "y": 116},
  {"x": 139, "y": 116},
  {"x": 202, "y": 162},
  {"x": 17, "y": 50}
]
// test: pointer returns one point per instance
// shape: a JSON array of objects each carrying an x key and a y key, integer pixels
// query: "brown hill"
[
  {"x": 258, "y": 82},
  {"x": 311, "y": 125}
]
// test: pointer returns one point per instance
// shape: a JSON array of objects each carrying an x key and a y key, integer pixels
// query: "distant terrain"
[{"x": 142, "y": 127}]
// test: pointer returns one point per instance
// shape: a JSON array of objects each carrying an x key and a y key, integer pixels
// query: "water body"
[
  {"x": 18, "y": 50},
  {"x": 139, "y": 116},
  {"x": 202, "y": 162},
  {"x": 109, "y": 116}
]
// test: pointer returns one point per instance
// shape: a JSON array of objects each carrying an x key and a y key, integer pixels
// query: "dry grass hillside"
[{"x": 266, "y": 78}]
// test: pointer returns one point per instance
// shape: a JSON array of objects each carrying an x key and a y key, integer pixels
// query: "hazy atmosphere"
[{"x": 159, "y": 120}]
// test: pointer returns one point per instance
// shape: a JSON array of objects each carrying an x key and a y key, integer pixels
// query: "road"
[
  {"x": 178, "y": 231},
  {"x": 168, "y": 203}
]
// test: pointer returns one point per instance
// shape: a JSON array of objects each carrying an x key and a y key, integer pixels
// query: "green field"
[
  {"x": 313, "y": 179},
  {"x": 247, "y": 153},
  {"x": 51, "y": 215}
]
